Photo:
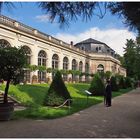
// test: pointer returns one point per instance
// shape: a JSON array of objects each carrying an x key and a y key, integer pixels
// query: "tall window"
[
  {"x": 65, "y": 67},
  {"x": 42, "y": 58},
  {"x": 27, "y": 73},
  {"x": 86, "y": 71},
  {"x": 4, "y": 43},
  {"x": 74, "y": 64},
  {"x": 27, "y": 51},
  {"x": 74, "y": 67},
  {"x": 55, "y": 63},
  {"x": 100, "y": 68},
  {"x": 80, "y": 69}
]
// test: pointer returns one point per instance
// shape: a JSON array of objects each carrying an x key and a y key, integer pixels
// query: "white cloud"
[
  {"x": 43, "y": 18},
  {"x": 114, "y": 38}
]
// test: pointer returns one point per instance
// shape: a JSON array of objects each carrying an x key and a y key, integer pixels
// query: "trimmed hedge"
[
  {"x": 97, "y": 86},
  {"x": 57, "y": 93},
  {"x": 113, "y": 82}
]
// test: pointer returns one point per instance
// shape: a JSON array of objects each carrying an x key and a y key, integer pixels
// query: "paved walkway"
[{"x": 122, "y": 120}]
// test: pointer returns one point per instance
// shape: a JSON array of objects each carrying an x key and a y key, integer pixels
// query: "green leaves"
[{"x": 12, "y": 62}]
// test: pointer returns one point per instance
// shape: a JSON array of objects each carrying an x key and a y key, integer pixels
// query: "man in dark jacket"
[{"x": 108, "y": 94}]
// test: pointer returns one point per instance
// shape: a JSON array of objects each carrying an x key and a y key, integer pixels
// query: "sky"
[{"x": 109, "y": 30}]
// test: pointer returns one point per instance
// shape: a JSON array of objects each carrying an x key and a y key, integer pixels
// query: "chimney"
[{"x": 71, "y": 43}]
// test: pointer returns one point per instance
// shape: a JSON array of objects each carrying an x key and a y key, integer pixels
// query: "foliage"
[
  {"x": 42, "y": 68},
  {"x": 49, "y": 70},
  {"x": 63, "y": 71},
  {"x": 107, "y": 74},
  {"x": 101, "y": 74},
  {"x": 132, "y": 58},
  {"x": 33, "y": 67},
  {"x": 128, "y": 11},
  {"x": 32, "y": 96},
  {"x": 97, "y": 86},
  {"x": 128, "y": 82},
  {"x": 74, "y": 72},
  {"x": 114, "y": 85},
  {"x": 63, "y": 12},
  {"x": 56, "y": 91},
  {"x": 122, "y": 84},
  {"x": 11, "y": 66}
]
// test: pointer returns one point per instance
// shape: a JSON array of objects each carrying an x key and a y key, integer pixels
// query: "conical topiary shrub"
[
  {"x": 97, "y": 86},
  {"x": 113, "y": 83},
  {"x": 57, "y": 93}
]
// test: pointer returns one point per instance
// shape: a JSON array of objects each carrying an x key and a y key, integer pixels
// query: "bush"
[
  {"x": 128, "y": 82},
  {"x": 122, "y": 83},
  {"x": 97, "y": 86},
  {"x": 57, "y": 93},
  {"x": 108, "y": 74},
  {"x": 113, "y": 82}
]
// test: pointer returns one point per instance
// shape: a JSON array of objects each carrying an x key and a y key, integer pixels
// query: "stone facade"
[{"x": 45, "y": 50}]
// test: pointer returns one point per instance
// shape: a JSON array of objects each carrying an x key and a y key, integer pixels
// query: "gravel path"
[{"x": 122, "y": 120}]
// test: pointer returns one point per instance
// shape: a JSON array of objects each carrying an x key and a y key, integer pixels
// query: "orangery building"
[{"x": 88, "y": 56}]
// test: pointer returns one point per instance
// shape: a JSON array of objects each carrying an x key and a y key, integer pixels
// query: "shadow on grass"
[{"x": 36, "y": 92}]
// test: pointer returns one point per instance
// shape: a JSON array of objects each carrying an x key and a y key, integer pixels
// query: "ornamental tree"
[
  {"x": 12, "y": 61},
  {"x": 57, "y": 93},
  {"x": 97, "y": 86}
]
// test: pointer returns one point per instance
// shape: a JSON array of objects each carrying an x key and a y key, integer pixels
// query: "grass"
[{"x": 33, "y": 97}]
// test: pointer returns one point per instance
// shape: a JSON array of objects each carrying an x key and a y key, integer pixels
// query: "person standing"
[{"x": 108, "y": 94}]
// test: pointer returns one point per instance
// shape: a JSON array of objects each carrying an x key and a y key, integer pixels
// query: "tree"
[
  {"x": 9, "y": 5},
  {"x": 122, "y": 84},
  {"x": 65, "y": 12},
  {"x": 113, "y": 82},
  {"x": 128, "y": 11},
  {"x": 57, "y": 93},
  {"x": 13, "y": 61},
  {"x": 128, "y": 82},
  {"x": 132, "y": 59},
  {"x": 97, "y": 86},
  {"x": 42, "y": 68},
  {"x": 107, "y": 74}
]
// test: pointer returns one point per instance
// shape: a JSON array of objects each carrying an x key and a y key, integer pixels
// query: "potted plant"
[{"x": 12, "y": 62}]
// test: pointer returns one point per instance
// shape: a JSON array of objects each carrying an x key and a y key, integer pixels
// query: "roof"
[{"x": 90, "y": 40}]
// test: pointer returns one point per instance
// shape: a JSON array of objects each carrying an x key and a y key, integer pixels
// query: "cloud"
[
  {"x": 43, "y": 18},
  {"x": 113, "y": 37}
]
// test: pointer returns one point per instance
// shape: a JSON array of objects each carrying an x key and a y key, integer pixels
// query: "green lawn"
[{"x": 32, "y": 96}]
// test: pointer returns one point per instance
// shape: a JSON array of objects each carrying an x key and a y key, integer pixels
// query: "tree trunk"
[{"x": 6, "y": 91}]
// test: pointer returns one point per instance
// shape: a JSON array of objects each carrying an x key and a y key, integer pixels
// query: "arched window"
[
  {"x": 80, "y": 69},
  {"x": 74, "y": 64},
  {"x": 86, "y": 71},
  {"x": 65, "y": 67},
  {"x": 27, "y": 72},
  {"x": 42, "y": 58},
  {"x": 65, "y": 63},
  {"x": 27, "y": 51},
  {"x": 55, "y": 61},
  {"x": 4, "y": 43},
  {"x": 74, "y": 67},
  {"x": 100, "y": 68},
  {"x": 80, "y": 66},
  {"x": 87, "y": 68}
]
